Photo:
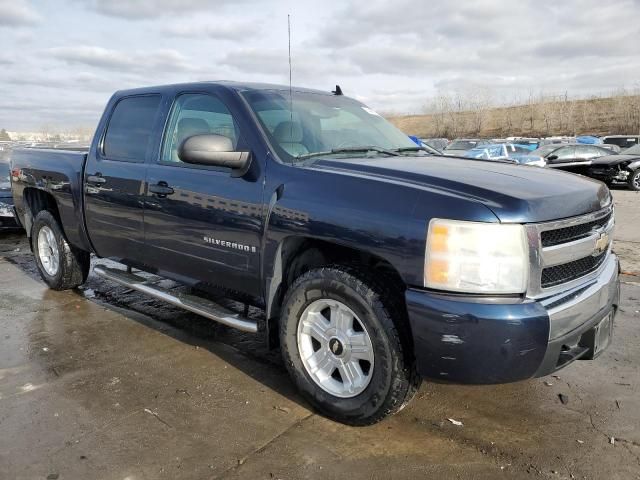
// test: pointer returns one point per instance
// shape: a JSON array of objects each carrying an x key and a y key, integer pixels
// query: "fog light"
[{"x": 6, "y": 210}]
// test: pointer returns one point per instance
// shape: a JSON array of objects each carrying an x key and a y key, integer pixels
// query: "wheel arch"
[
  {"x": 37, "y": 200},
  {"x": 296, "y": 255}
]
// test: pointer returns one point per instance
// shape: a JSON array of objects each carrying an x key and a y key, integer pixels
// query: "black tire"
[
  {"x": 634, "y": 180},
  {"x": 74, "y": 263},
  {"x": 394, "y": 380}
]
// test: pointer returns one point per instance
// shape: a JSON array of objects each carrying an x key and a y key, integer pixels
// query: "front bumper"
[
  {"x": 7, "y": 214},
  {"x": 472, "y": 340},
  {"x": 609, "y": 174}
]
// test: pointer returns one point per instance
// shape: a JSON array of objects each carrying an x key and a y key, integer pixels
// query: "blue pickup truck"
[{"x": 376, "y": 263}]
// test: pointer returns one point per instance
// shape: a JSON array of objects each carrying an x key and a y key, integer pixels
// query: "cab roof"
[{"x": 230, "y": 85}]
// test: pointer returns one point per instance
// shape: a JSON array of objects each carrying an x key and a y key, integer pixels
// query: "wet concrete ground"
[{"x": 105, "y": 383}]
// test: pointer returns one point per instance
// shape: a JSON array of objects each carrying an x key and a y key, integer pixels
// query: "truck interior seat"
[
  {"x": 188, "y": 127},
  {"x": 289, "y": 135}
]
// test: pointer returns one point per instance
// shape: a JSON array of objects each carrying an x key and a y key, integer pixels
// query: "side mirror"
[
  {"x": 214, "y": 150},
  {"x": 551, "y": 158}
]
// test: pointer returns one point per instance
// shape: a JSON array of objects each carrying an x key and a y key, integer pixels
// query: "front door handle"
[
  {"x": 96, "y": 179},
  {"x": 161, "y": 189}
]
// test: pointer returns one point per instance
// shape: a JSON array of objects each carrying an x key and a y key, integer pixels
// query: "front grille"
[
  {"x": 552, "y": 276},
  {"x": 550, "y": 238}
]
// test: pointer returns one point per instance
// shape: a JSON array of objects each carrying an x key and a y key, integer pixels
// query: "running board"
[{"x": 192, "y": 303}]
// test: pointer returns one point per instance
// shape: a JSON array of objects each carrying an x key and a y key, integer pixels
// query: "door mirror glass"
[
  {"x": 551, "y": 158},
  {"x": 214, "y": 150}
]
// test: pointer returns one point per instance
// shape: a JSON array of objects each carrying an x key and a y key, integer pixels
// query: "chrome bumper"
[{"x": 573, "y": 308}]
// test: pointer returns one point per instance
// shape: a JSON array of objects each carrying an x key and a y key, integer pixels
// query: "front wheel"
[
  {"x": 634, "y": 180},
  {"x": 343, "y": 349},
  {"x": 61, "y": 265}
]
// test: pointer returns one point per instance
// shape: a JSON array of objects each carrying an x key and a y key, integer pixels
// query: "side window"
[
  {"x": 196, "y": 114},
  {"x": 130, "y": 127},
  {"x": 565, "y": 153},
  {"x": 586, "y": 152}
]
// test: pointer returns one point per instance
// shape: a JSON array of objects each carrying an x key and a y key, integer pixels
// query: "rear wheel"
[
  {"x": 61, "y": 265},
  {"x": 634, "y": 180},
  {"x": 342, "y": 347}
]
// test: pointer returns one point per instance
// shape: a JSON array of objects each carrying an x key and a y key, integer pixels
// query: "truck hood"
[
  {"x": 611, "y": 160},
  {"x": 514, "y": 193}
]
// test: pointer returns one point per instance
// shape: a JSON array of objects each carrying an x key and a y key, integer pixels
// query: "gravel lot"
[{"x": 104, "y": 383}]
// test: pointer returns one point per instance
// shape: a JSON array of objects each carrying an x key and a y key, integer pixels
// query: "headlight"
[
  {"x": 6, "y": 210},
  {"x": 476, "y": 257}
]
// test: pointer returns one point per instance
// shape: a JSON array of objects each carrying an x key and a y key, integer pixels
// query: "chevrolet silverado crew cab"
[{"x": 375, "y": 263}]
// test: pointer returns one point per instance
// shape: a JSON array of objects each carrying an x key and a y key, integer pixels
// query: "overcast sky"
[{"x": 60, "y": 60}]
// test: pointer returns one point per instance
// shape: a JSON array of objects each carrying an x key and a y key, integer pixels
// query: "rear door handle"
[
  {"x": 96, "y": 179},
  {"x": 161, "y": 189}
]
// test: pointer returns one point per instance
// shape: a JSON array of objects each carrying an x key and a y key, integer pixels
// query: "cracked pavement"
[{"x": 104, "y": 383}]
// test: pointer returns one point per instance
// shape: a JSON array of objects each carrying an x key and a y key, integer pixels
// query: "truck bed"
[{"x": 57, "y": 173}]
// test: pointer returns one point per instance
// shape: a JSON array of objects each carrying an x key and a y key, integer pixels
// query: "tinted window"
[
  {"x": 622, "y": 142},
  {"x": 129, "y": 132},
  {"x": 565, "y": 153},
  {"x": 197, "y": 114}
]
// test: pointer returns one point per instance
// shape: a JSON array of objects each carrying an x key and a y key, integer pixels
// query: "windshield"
[
  {"x": 635, "y": 150},
  {"x": 310, "y": 123}
]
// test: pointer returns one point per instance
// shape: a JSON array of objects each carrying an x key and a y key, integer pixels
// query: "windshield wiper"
[
  {"x": 417, "y": 148},
  {"x": 350, "y": 150}
]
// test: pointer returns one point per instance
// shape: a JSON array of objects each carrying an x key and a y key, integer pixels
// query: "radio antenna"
[{"x": 290, "y": 87}]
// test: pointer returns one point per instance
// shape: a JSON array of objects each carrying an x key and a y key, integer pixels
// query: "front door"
[
  {"x": 203, "y": 225},
  {"x": 115, "y": 179}
]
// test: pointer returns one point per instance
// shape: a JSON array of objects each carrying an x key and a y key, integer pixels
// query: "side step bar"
[{"x": 194, "y": 304}]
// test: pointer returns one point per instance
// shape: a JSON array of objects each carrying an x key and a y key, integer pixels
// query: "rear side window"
[
  {"x": 565, "y": 153},
  {"x": 129, "y": 132}
]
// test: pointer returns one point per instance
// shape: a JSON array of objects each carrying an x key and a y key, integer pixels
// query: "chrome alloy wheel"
[
  {"x": 335, "y": 348},
  {"x": 48, "y": 251},
  {"x": 636, "y": 181}
]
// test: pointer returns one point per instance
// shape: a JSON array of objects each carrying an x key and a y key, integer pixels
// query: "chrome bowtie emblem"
[
  {"x": 602, "y": 243},
  {"x": 336, "y": 347}
]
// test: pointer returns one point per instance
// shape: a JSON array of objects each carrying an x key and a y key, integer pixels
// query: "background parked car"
[
  {"x": 7, "y": 218},
  {"x": 591, "y": 140},
  {"x": 575, "y": 158},
  {"x": 528, "y": 143},
  {"x": 623, "y": 141},
  {"x": 437, "y": 143},
  {"x": 506, "y": 151},
  {"x": 460, "y": 146},
  {"x": 588, "y": 140},
  {"x": 557, "y": 140},
  {"x": 624, "y": 167}
]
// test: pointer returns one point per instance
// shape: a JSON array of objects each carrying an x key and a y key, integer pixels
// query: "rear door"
[
  {"x": 115, "y": 179},
  {"x": 203, "y": 225}
]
